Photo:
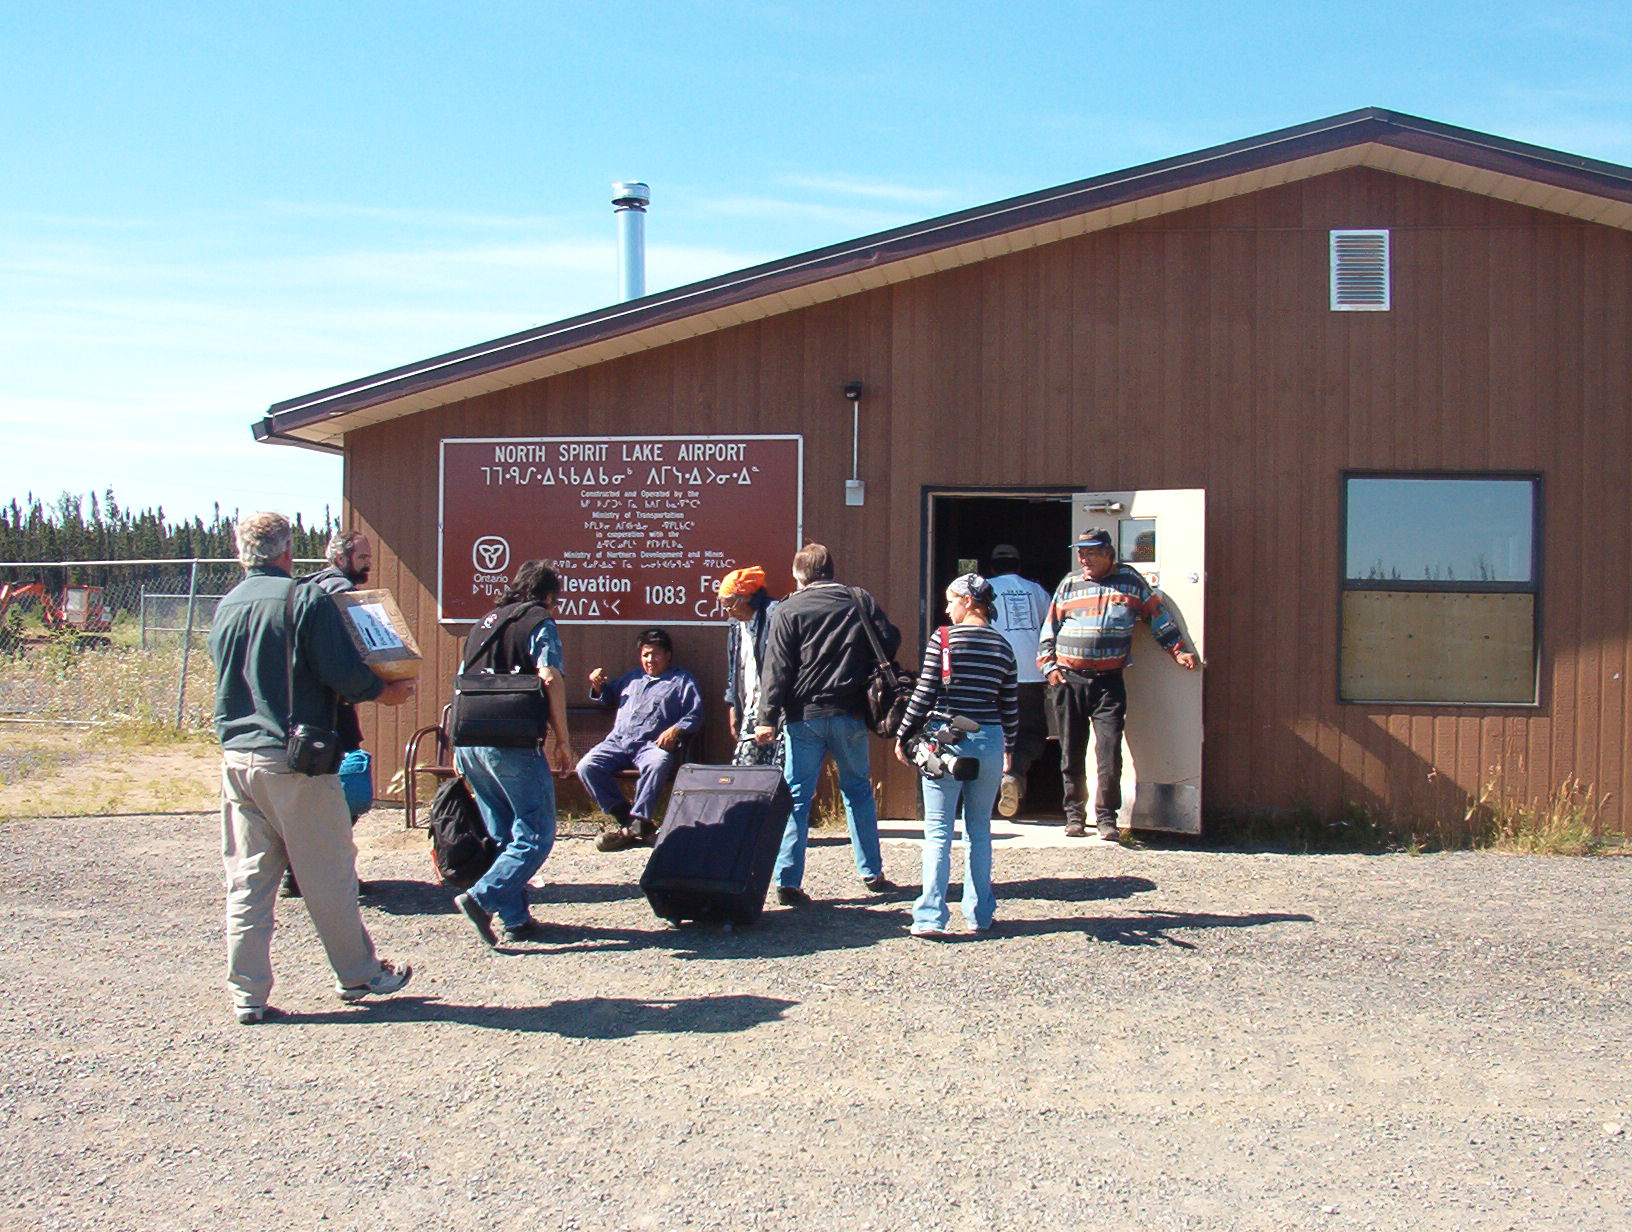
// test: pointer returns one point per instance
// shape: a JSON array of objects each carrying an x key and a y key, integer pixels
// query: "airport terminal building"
[{"x": 1355, "y": 395}]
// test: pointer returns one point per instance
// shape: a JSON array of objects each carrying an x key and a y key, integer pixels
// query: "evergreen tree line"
[{"x": 92, "y": 528}]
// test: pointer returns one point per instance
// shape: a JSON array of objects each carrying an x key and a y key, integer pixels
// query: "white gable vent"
[{"x": 1360, "y": 271}]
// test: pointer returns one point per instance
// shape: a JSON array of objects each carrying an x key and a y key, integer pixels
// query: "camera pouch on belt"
[{"x": 313, "y": 749}]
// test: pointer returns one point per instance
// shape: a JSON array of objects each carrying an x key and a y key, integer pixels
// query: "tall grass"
[
  {"x": 125, "y": 685},
  {"x": 1568, "y": 821}
]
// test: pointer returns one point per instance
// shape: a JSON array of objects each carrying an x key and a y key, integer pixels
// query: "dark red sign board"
[{"x": 641, "y": 528}]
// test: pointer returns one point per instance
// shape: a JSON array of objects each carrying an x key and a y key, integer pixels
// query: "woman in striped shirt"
[{"x": 975, "y": 678}]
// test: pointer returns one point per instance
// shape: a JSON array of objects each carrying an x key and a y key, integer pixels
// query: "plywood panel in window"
[{"x": 1432, "y": 646}]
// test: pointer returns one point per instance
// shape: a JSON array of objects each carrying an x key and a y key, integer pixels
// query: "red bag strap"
[{"x": 945, "y": 634}]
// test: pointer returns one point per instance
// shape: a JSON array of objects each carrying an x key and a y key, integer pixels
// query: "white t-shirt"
[
  {"x": 1022, "y": 606},
  {"x": 748, "y": 706}
]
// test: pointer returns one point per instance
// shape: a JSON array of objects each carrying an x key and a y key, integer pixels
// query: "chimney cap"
[{"x": 631, "y": 194}]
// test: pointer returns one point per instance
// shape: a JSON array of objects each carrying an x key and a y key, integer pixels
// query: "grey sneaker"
[
  {"x": 481, "y": 920},
  {"x": 391, "y": 978},
  {"x": 532, "y": 930},
  {"x": 249, "y": 1015}
]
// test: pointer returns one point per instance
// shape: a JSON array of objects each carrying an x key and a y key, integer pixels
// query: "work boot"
[
  {"x": 1075, "y": 829},
  {"x": 1008, "y": 799}
]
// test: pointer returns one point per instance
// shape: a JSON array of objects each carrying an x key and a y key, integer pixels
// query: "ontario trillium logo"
[{"x": 491, "y": 554}]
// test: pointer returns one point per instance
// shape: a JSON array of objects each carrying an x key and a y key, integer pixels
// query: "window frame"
[{"x": 1533, "y": 587}]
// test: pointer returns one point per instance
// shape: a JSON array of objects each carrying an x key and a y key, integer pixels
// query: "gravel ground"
[{"x": 1151, "y": 1039}]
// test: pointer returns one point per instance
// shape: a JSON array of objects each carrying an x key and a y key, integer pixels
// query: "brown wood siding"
[{"x": 1193, "y": 350}]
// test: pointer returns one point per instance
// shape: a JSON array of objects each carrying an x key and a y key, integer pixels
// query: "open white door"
[{"x": 1161, "y": 534}]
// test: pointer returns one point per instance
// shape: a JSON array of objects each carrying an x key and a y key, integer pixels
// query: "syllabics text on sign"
[{"x": 640, "y": 528}]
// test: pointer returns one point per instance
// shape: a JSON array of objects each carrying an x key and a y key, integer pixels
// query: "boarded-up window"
[{"x": 1441, "y": 579}]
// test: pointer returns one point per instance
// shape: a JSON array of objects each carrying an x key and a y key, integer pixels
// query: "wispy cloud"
[{"x": 877, "y": 190}]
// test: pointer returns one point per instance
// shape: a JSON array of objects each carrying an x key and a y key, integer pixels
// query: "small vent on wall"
[{"x": 1360, "y": 279}]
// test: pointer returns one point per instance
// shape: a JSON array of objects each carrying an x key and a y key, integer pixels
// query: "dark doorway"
[{"x": 966, "y": 527}]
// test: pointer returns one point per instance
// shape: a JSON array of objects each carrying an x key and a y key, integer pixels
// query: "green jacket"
[{"x": 248, "y": 645}]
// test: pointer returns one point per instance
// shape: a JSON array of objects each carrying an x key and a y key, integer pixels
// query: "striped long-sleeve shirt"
[
  {"x": 1090, "y": 624},
  {"x": 983, "y": 685}
]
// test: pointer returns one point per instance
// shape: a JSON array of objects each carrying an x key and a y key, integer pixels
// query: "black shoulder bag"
[
  {"x": 310, "y": 750},
  {"x": 889, "y": 687},
  {"x": 497, "y": 710}
]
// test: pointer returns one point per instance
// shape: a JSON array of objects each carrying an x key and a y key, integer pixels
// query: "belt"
[{"x": 1087, "y": 674}]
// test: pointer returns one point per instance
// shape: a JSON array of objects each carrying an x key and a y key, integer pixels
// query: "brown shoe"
[
  {"x": 1075, "y": 829},
  {"x": 616, "y": 838}
]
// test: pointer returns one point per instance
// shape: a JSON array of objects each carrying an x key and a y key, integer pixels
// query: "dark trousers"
[
  {"x": 1033, "y": 731},
  {"x": 1077, "y": 704}
]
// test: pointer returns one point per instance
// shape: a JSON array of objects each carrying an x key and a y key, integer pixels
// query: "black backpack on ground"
[{"x": 461, "y": 848}]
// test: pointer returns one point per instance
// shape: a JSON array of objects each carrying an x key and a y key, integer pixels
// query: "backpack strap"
[
  {"x": 492, "y": 637},
  {"x": 945, "y": 634},
  {"x": 872, "y": 633}
]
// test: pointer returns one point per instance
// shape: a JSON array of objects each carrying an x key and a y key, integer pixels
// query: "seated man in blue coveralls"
[{"x": 659, "y": 706}]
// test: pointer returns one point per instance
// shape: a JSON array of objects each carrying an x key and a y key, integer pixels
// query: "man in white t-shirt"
[{"x": 1022, "y": 606}]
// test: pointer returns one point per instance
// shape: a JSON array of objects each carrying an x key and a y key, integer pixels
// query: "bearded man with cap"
[
  {"x": 749, "y": 605},
  {"x": 1085, "y": 643}
]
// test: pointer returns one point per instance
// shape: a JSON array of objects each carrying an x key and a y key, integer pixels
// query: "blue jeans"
[
  {"x": 516, "y": 796},
  {"x": 941, "y": 798},
  {"x": 808, "y": 742}
]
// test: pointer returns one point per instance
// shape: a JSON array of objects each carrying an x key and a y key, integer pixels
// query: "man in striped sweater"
[{"x": 1084, "y": 645}]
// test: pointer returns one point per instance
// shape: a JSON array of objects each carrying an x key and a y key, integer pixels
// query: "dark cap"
[
  {"x": 1094, "y": 537},
  {"x": 1005, "y": 551}
]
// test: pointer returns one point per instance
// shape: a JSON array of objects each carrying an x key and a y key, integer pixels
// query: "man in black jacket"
[{"x": 813, "y": 682}]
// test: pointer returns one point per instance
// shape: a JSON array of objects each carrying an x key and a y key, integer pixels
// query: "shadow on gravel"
[
  {"x": 1073, "y": 889},
  {"x": 425, "y": 898},
  {"x": 1149, "y": 927},
  {"x": 599, "y": 1018}
]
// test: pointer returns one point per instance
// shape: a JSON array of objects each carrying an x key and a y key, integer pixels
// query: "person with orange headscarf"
[{"x": 745, "y": 600}]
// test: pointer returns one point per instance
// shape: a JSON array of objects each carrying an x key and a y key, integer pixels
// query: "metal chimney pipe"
[{"x": 629, "y": 202}]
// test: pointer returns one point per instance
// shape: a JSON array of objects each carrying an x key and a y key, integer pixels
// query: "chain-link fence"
[{"x": 112, "y": 641}]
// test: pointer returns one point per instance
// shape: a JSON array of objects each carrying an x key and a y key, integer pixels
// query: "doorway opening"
[{"x": 963, "y": 527}]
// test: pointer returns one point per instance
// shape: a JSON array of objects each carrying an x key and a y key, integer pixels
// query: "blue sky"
[{"x": 206, "y": 208}]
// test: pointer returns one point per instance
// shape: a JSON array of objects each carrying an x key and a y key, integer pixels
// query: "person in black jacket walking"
[{"x": 813, "y": 684}]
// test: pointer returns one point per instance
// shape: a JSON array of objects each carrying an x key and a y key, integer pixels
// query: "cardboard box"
[{"x": 379, "y": 632}]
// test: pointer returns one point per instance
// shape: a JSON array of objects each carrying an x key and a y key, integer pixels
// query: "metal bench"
[{"x": 430, "y": 753}]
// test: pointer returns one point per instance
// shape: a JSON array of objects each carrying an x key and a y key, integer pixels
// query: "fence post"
[
  {"x": 186, "y": 644},
  {"x": 143, "y": 611}
]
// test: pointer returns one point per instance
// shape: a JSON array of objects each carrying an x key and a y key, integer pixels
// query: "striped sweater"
[
  {"x": 983, "y": 685},
  {"x": 1090, "y": 624}
]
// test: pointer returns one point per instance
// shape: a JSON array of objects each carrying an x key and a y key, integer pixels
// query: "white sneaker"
[{"x": 390, "y": 979}]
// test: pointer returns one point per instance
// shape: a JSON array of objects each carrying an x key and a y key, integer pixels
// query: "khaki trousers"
[{"x": 272, "y": 819}]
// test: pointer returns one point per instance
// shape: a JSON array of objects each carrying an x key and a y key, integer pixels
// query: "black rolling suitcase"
[{"x": 713, "y": 857}]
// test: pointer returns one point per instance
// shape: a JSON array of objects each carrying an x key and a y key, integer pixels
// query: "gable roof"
[{"x": 1460, "y": 158}]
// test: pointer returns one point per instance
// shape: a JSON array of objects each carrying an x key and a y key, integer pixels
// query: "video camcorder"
[{"x": 934, "y": 750}]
